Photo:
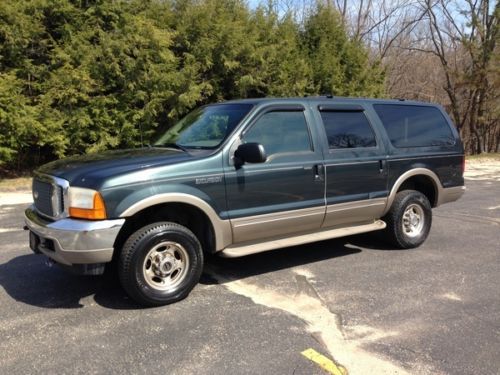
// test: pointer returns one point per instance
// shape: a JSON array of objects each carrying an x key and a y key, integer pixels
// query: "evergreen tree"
[
  {"x": 339, "y": 66},
  {"x": 85, "y": 76}
]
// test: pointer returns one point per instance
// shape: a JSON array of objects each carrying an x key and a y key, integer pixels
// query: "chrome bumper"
[{"x": 70, "y": 241}]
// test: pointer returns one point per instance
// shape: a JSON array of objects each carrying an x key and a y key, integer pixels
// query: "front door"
[{"x": 285, "y": 194}]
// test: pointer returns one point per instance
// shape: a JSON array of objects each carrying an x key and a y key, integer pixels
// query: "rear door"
[
  {"x": 285, "y": 194},
  {"x": 355, "y": 164}
]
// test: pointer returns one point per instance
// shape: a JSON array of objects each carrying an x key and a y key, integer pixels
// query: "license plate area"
[
  {"x": 37, "y": 243},
  {"x": 34, "y": 242}
]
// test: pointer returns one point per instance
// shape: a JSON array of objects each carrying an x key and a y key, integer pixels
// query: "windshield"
[{"x": 206, "y": 127}]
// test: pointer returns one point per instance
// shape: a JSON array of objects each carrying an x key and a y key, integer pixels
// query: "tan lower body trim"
[
  {"x": 275, "y": 224},
  {"x": 450, "y": 194},
  {"x": 354, "y": 212},
  {"x": 239, "y": 250}
]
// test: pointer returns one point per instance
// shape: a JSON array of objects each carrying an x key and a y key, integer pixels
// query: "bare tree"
[
  {"x": 439, "y": 50},
  {"x": 445, "y": 51},
  {"x": 463, "y": 36}
]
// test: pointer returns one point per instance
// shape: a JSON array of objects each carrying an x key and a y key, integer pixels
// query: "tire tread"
[
  {"x": 126, "y": 267},
  {"x": 393, "y": 232}
]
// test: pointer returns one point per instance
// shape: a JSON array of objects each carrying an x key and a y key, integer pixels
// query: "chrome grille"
[
  {"x": 42, "y": 196},
  {"x": 60, "y": 197},
  {"x": 49, "y": 195}
]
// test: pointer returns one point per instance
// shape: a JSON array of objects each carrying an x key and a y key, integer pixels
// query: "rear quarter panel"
[{"x": 444, "y": 160}]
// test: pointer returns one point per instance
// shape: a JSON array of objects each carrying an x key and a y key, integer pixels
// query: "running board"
[{"x": 239, "y": 250}]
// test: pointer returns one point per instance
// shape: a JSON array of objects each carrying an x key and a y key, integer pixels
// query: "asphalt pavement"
[{"x": 365, "y": 306}]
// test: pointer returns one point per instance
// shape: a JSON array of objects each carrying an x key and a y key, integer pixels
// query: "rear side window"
[
  {"x": 414, "y": 126},
  {"x": 347, "y": 129}
]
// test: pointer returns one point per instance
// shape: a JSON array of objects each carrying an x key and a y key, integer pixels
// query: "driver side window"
[{"x": 280, "y": 132}]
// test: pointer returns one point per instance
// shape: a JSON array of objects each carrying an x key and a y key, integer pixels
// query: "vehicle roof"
[{"x": 326, "y": 98}]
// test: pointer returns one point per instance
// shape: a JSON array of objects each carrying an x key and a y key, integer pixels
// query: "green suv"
[{"x": 242, "y": 177}]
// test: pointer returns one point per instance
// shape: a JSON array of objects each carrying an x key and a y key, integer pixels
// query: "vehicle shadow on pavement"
[
  {"x": 261, "y": 263},
  {"x": 372, "y": 241},
  {"x": 29, "y": 280}
]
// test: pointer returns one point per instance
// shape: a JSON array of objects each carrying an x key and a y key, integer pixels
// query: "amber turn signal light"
[{"x": 96, "y": 212}]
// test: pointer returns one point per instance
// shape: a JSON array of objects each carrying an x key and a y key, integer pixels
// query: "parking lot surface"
[{"x": 357, "y": 301}]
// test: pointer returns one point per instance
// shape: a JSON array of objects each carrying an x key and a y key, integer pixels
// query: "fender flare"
[
  {"x": 222, "y": 228},
  {"x": 411, "y": 173}
]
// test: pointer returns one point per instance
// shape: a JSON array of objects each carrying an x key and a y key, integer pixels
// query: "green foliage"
[
  {"x": 85, "y": 76},
  {"x": 340, "y": 66}
]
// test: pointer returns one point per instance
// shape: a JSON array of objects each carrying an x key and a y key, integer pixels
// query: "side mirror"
[{"x": 249, "y": 153}]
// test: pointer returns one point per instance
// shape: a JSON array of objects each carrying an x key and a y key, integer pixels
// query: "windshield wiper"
[{"x": 173, "y": 145}]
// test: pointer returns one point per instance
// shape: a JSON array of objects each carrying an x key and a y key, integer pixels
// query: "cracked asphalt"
[{"x": 370, "y": 308}]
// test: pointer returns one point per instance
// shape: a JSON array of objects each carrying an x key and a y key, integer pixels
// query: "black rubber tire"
[
  {"x": 135, "y": 250},
  {"x": 394, "y": 232}
]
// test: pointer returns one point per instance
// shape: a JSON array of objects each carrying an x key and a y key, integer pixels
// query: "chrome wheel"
[
  {"x": 413, "y": 220},
  {"x": 166, "y": 265}
]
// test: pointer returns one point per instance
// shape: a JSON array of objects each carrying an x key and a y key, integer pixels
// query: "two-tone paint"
[{"x": 288, "y": 196}]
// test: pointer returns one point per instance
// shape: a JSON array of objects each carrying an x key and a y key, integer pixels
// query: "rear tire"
[
  {"x": 409, "y": 220},
  {"x": 160, "y": 264}
]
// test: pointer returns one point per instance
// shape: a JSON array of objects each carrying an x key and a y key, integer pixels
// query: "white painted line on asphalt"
[
  {"x": 494, "y": 207},
  {"x": 15, "y": 198},
  {"x": 452, "y": 296},
  {"x": 7, "y": 230}
]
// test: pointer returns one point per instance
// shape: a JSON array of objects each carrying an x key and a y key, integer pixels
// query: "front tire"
[
  {"x": 409, "y": 220},
  {"x": 160, "y": 264}
]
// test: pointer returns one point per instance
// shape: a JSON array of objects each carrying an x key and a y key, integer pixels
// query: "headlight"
[{"x": 86, "y": 204}]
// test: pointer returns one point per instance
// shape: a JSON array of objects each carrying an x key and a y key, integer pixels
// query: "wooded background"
[{"x": 86, "y": 76}]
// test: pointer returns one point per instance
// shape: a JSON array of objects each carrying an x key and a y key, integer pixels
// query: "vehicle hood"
[{"x": 93, "y": 169}]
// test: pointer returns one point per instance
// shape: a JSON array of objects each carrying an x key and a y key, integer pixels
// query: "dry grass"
[
  {"x": 483, "y": 158},
  {"x": 15, "y": 184}
]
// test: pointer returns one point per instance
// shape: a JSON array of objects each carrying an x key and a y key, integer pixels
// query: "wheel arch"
[
  {"x": 420, "y": 179},
  {"x": 178, "y": 207}
]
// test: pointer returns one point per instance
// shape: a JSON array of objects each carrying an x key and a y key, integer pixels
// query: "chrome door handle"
[
  {"x": 381, "y": 166},
  {"x": 319, "y": 172}
]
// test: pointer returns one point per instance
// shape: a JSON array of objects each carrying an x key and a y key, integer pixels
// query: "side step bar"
[{"x": 239, "y": 250}]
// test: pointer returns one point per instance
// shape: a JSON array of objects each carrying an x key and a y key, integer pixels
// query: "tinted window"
[
  {"x": 414, "y": 126},
  {"x": 347, "y": 129},
  {"x": 280, "y": 131}
]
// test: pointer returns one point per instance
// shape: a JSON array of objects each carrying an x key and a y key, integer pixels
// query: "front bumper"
[{"x": 70, "y": 241}]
